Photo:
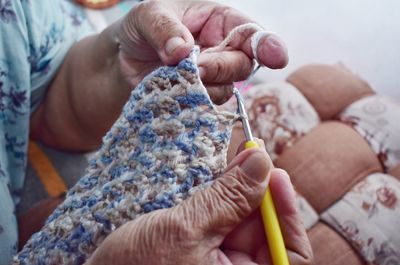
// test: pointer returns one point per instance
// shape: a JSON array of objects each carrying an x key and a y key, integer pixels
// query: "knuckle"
[
  {"x": 143, "y": 13},
  {"x": 223, "y": 10},
  {"x": 149, "y": 5},
  {"x": 245, "y": 67},
  {"x": 162, "y": 22},
  {"x": 235, "y": 193},
  {"x": 220, "y": 72},
  {"x": 154, "y": 17},
  {"x": 178, "y": 226},
  {"x": 142, "y": 8},
  {"x": 224, "y": 68}
]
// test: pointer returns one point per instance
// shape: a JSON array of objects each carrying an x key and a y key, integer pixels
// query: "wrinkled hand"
[
  {"x": 165, "y": 31},
  {"x": 219, "y": 225}
]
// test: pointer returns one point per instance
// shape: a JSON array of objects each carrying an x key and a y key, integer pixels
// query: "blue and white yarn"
[{"x": 169, "y": 142}]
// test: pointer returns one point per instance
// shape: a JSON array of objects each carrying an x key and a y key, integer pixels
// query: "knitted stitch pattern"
[{"x": 169, "y": 142}]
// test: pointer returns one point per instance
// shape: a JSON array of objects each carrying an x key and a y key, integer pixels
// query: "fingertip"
[
  {"x": 272, "y": 52},
  {"x": 256, "y": 165},
  {"x": 281, "y": 173},
  {"x": 283, "y": 192},
  {"x": 280, "y": 181},
  {"x": 173, "y": 44},
  {"x": 176, "y": 49},
  {"x": 259, "y": 141}
]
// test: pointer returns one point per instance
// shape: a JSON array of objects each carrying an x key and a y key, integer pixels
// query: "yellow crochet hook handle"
[{"x": 271, "y": 224}]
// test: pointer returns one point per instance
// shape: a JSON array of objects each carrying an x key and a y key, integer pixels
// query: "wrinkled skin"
[
  {"x": 219, "y": 225},
  {"x": 99, "y": 72},
  {"x": 165, "y": 31}
]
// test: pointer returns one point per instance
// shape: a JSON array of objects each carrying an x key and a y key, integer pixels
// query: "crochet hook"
[{"x": 270, "y": 219}]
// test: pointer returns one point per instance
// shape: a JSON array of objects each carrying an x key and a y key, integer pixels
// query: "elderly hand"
[
  {"x": 164, "y": 32},
  {"x": 219, "y": 225},
  {"x": 99, "y": 72}
]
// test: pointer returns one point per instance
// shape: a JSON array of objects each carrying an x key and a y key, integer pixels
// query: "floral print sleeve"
[{"x": 35, "y": 37}]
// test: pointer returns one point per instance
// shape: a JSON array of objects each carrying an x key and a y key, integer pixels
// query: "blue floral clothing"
[{"x": 34, "y": 39}]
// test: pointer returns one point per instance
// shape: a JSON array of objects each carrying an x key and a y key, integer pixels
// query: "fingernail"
[
  {"x": 275, "y": 52},
  {"x": 256, "y": 165},
  {"x": 172, "y": 44}
]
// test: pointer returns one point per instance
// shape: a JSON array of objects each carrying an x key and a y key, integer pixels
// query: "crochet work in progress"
[{"x": 169, "y": 142}]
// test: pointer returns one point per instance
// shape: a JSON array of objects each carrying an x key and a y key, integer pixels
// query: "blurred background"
[{"x": 362, "y": 35}]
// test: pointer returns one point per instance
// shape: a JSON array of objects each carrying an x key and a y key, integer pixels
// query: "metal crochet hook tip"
[{"x": 241, "y": 110}]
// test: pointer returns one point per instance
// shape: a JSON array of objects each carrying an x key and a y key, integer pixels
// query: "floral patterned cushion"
[
  {"x": 340, "y": 143},
  {"x": 279, "y": 114},
  {"x": 375, "y": 118},
  {"x": 368, "y": 216}
]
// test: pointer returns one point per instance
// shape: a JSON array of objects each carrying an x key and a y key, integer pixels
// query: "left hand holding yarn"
[
  {"x": 99, "y": 72},
  {"x": 164, "y": 32}
]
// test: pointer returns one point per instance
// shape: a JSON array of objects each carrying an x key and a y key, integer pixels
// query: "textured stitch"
[{"x": 169, "y": 142}]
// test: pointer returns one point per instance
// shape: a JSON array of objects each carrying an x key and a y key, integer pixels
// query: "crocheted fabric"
[{"x": 169, "y": 142}]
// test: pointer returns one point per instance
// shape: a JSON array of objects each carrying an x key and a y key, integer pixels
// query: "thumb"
[
  {"x": 160, "y": 25},
  {"x": 218, "y": 209}
]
